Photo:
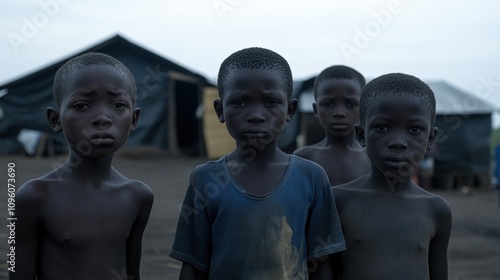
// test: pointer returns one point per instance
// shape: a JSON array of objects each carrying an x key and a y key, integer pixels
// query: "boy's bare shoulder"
[
  {"x": 438, "y": 205},
  {"x": 307, "y": 152},
  {"x": 353, "y": 187},
  {"x": 359, "y": 191},
  {"x": 139, "y": 189},
  {"x": 37, "y": 188},
  {"x": 143, "y": 191}
]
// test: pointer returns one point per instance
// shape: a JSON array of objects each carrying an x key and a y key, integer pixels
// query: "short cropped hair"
[
  {"x": 396, "y": 84},
  {"x": 65, "y": 73},
  {"x": 338, "y": 72},
  {"x": 255, "y": 58}
]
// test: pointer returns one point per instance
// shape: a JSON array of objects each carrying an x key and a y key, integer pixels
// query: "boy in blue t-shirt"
[{"x": 257, "y": 213}]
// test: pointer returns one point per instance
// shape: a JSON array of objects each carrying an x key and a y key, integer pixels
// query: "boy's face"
[
  {"x": 255, "y": 106},
  {"x": 397, "y": 132},
  {"x": 96, "y": 113},
  {"x": 337, "y": 106}
]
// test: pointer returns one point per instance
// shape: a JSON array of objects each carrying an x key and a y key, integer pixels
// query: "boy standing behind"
[
  {"x": 84, "y": 220},
  {"x": 393, "y": 228},
  {"x": 336, "y": 93},
  {"x": 257, "y": 213}
]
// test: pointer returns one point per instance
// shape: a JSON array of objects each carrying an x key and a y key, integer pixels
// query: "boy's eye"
[
  {"x": 326, "y": 104},
  {"x": 238, "y": 103},
  {"x": 119, "y": 105},
  {"x": 382, "y": 128},
  {"x": 415, "y": 130},
  {"x": 81, "y": 106},
  {"x": 350, "y": 104},
  {"x": 272, "y": 103}
]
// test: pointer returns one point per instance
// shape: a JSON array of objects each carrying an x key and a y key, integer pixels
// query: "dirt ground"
[{"x": 474, "y": 251}]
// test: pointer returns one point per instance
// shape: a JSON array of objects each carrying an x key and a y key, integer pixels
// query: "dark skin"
[
  {"x": 340, "y": 154},
  {"x": 393, "y": 228},
  {"x": 85, "y": 220},
  {"x": 255, "y": 108}
]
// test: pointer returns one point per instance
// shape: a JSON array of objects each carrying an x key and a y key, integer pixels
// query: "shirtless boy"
[
  {"x": 84, "y": 220},
  {"x": 336, "y": 93},
  {"x": 393, "y": 228}
]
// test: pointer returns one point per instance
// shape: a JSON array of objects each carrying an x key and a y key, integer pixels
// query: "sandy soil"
[{"x": 474, "y": 251}]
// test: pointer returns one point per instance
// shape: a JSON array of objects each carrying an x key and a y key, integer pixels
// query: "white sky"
[{"x": 456, "y": 41}]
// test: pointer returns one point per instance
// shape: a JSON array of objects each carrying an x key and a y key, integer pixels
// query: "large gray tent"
[{"x": 168, "y": 95}]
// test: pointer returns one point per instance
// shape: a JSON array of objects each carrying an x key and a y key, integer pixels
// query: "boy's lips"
[
  {"x": 396, "y": 158},
  {"x": 339, "y": 125},
  {"x": 396, "y": 161},
  {"x": 255, "y": 134},
  {"x": 255, "y": 131},
  {"x": 102, "y": 138}
]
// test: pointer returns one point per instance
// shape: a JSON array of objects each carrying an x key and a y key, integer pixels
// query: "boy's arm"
[
  {"x": 438, "y": 248},
  {"x": 336, "y": 265},
  {"x": 324, "y": 231},
  {"x": 189, "y": 272},
  {"x": 27, "y": 229},
  {"x": 134, "y": 241},
  {"x": 320, "y": 269}
]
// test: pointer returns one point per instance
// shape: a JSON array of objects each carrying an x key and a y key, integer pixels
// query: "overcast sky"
[{"x": 455, "y": 41}]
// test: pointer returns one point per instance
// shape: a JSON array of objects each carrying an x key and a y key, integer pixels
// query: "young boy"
[
  {"x": 257, "y": 213},
  {"x": 393, "y": 228},
  {"x": 336, "y": 92},
  {"x": 84, "y": 220}
]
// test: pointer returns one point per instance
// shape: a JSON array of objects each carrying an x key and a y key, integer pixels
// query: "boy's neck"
[
  {"x": 87, "y": 169},
  {"x": 245, "y": 154},
  {"x": 348, "y": 141},
  {"x": 393, "y": 184}
]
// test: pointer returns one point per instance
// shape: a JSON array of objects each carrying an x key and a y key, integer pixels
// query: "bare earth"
[{"x": 474, "y": 251}]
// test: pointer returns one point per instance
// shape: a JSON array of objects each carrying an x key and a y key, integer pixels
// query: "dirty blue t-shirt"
[{"x": 234, "y": 234}]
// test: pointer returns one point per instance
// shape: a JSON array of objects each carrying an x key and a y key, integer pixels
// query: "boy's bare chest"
[
  {"x": 388, "y": 223},
  {"x": 88, "y": 218},
  {"x": 343, "y": 167}
]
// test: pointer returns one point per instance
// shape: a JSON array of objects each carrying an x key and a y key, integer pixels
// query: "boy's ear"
[
  {"x": 135, "y": 118},
  {"x": 292, "y": 109},
  {"x": 432, "y": 137},
  {"x": 54, "y": 120},
  {"x": 219, "y": 110},
  {"x": 315, "y": 110},
  {"x": 360, "y": 135}
]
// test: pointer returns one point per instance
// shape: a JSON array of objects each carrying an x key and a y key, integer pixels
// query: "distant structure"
[{"x": 463, "y": 148}]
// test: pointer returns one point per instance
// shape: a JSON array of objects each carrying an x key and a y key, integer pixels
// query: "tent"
[
  {"x": 464, "y": 139},
  {"x": 168, "y": 95}
]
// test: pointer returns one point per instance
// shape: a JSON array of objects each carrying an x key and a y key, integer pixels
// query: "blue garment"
[
  {"x": 496, "y": 170},
  {"x": 234, "y": 234}
]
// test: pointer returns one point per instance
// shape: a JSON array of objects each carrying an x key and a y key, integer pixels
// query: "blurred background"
[{"x": 174, "y": 49}]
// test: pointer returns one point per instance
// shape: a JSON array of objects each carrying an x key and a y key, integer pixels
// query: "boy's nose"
[
  {"x": 398, "y": 142},
  {"x": 255, "y": 115},
  {"x": 339, "y": 114},
  {"x": 102, "y": 120}
]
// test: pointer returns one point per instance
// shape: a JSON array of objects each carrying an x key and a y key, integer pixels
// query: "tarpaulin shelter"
[{"x": 168, "y": 95}]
